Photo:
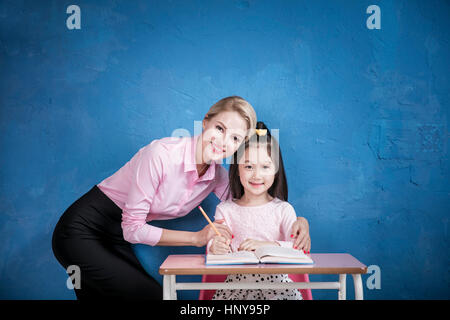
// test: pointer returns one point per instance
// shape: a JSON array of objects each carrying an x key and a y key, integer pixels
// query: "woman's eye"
[
  {"x": 219, "y": 128},
  {"x": 237, "y": 140},
  {"x": 248, "y": 167}
]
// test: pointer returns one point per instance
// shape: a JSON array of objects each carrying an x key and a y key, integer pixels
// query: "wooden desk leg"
[
  {"x": 342, "y": 293},
  {"x": 358, "y": 286}
]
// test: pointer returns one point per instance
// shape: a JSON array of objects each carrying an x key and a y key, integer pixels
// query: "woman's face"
[{"x": 222, "y": 135}]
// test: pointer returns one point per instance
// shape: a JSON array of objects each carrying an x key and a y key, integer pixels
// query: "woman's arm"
[
  {"x": 146, "y": 174},
  {"x": 188, "y": 238},
  {"x": 178, "y": 238},
  {"x": 300, "y": 231}
]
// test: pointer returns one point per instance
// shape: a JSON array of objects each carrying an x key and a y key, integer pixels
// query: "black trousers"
[{"x": 89, "y": 235}]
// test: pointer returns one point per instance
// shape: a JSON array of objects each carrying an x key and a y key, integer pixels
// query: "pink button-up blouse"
[{"x": 161, "y": 182}]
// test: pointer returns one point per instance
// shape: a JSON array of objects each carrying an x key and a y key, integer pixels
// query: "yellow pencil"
[{"x": 209, "y": 221}]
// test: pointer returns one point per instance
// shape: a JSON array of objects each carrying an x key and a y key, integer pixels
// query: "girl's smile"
[{"x": 256, "y": 184}]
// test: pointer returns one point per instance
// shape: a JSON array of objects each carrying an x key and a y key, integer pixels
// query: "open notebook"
[{"x": 266, "y": 254}]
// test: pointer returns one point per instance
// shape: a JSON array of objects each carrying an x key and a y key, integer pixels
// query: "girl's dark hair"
[{"x": 279, "y": 187}]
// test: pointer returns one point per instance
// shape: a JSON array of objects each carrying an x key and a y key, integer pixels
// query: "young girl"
[{"x": 258, "y": 215}]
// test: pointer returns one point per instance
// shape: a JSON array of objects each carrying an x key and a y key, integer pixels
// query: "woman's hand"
[
  {"x": 207, "y": 233},
  {"x": 252, "y": 245},
  {"x": 220, "y": 245},
  {"x": 300, "y": 230}
]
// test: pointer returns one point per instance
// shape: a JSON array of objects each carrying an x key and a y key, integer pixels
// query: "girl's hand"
[
  {"x": 220, "y": 245},
  {"x": 300, "y": 231},
  {"x": 252, "y": 245},
  {"x": 207, "y": 233}
]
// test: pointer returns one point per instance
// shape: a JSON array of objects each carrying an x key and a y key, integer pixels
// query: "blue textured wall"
[{"x": 363, "y": 117}]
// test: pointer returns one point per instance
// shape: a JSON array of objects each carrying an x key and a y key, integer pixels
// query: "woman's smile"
[{"x": 216, "y": 149}]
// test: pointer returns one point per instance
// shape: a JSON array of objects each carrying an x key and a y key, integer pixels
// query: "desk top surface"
[{"x": 324, "y": 263}]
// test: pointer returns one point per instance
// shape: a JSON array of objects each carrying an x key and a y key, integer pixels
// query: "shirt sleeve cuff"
[
  {"x": 146, "y": 234},
  {"x": 155, "y": 235}
]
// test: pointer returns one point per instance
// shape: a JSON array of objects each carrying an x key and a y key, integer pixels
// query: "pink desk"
[{"x": 324, "y": 263}]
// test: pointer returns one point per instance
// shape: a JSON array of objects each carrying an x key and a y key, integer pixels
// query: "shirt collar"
[{"x": 189, "y": 160}]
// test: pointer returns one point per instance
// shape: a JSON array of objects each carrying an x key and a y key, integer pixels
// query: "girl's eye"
[
  {"x": 219, "y": 128},
  {"x": 266, "y": 167},
  {"x": 248, "y": 167},
  {"x": 237, "y": 140}
]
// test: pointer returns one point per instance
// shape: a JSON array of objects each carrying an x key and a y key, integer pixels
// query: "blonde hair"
[{"x": 237, "y": 104}]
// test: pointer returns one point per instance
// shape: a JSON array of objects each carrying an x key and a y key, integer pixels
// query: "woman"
[{"x": 164, "y": 180}]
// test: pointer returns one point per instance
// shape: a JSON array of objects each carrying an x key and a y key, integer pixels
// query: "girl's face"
[
  {"x": 256, "y": 170},
  {"x": 222, "y": 135}
]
